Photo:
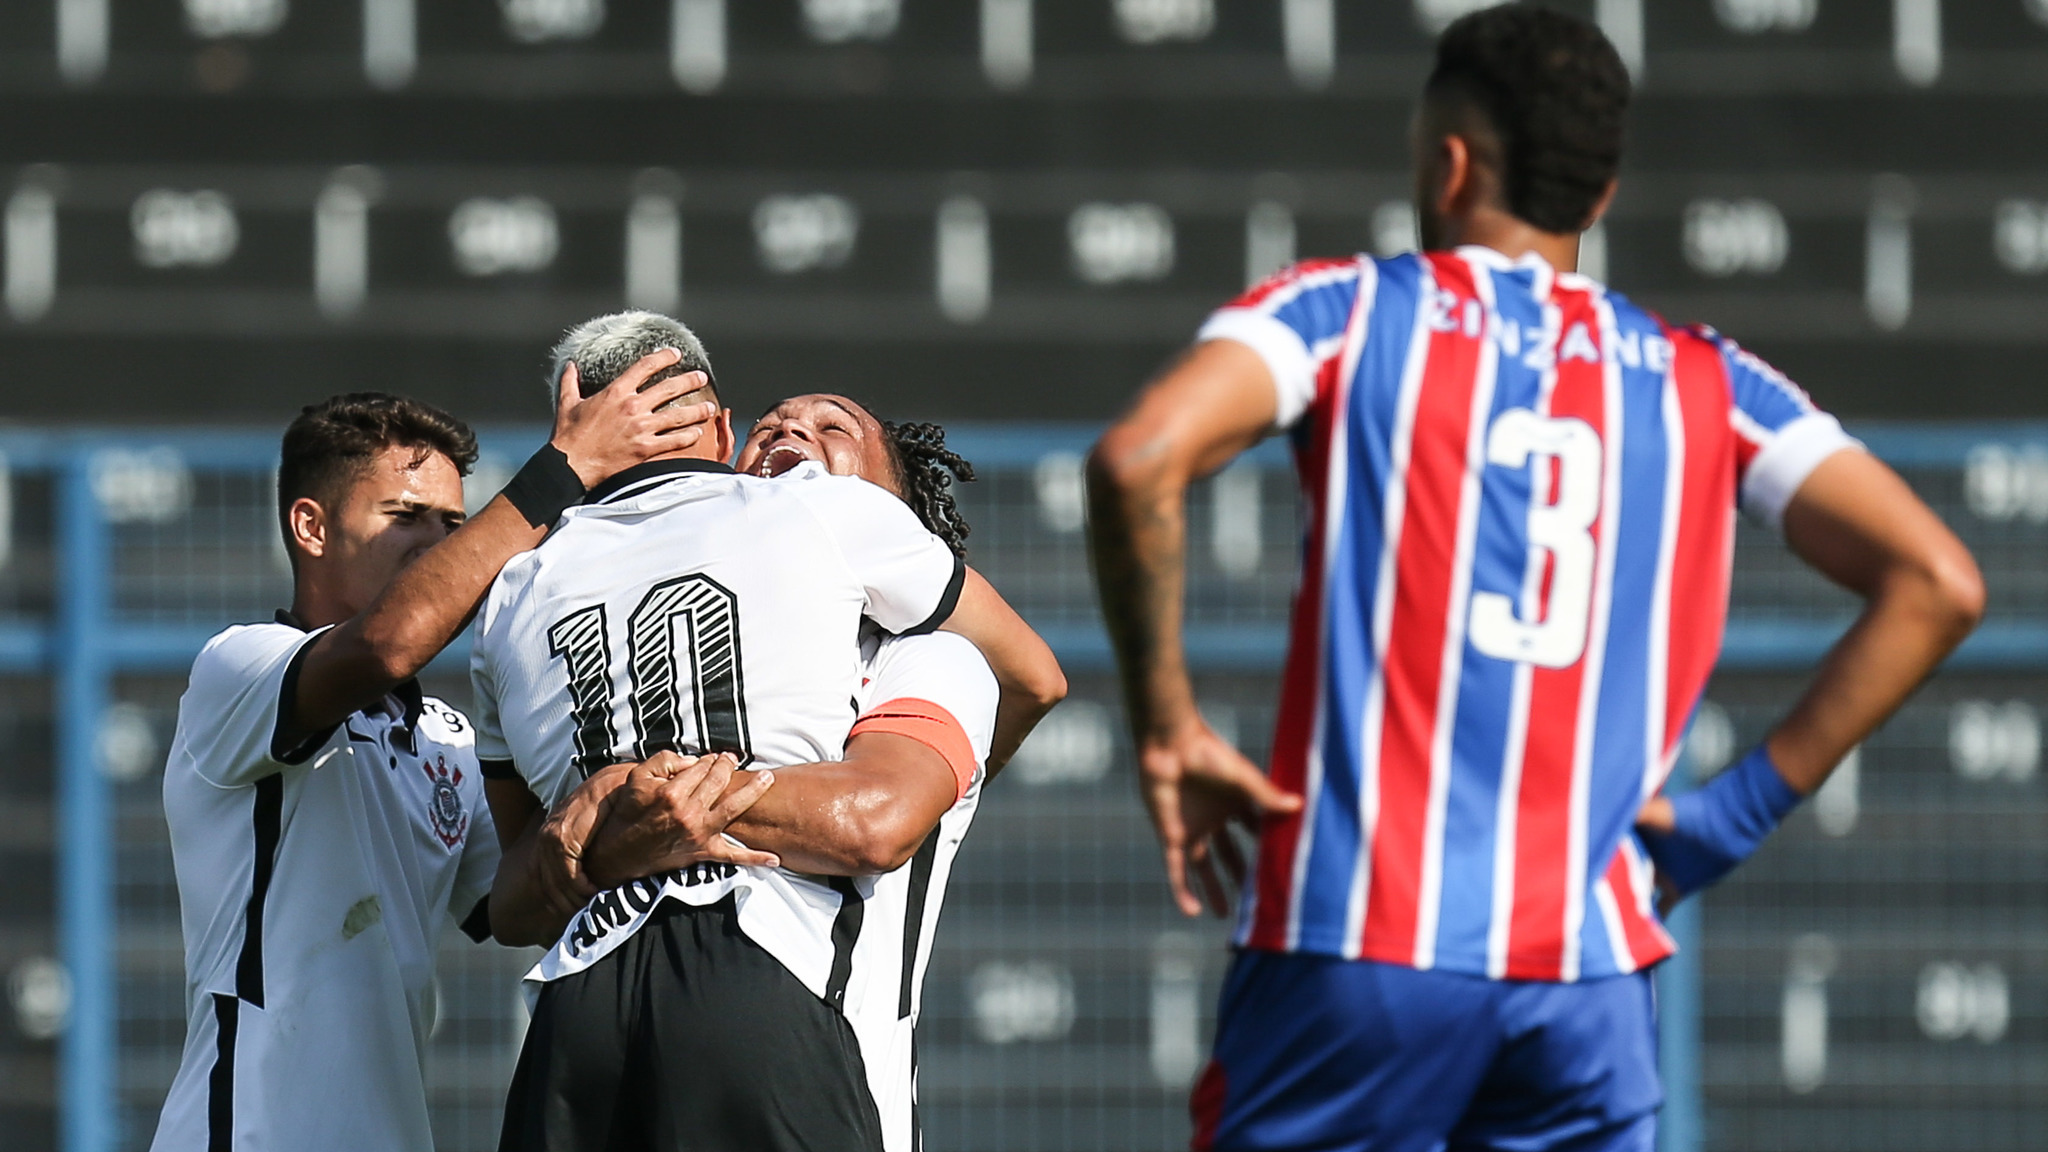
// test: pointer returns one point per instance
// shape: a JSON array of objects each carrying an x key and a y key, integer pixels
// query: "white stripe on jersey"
[
  {"x": 1429, "y": 903},
  {"x": 1391, "y": 518},
  {"x": 1594, "y": 663},
  {"x": 1657, "y": 698}
]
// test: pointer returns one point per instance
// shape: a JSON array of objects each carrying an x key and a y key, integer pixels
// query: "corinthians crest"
[{"x": 444, "y": 803}]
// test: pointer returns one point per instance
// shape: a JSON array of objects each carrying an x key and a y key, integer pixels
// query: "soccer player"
[
  {"x": 326, "y": 819},
  {"x": 912, "y": 461},
  {"x": 890, "y": 813},
  {"x": 685, "y": 607},
  {"x": 1520, "y": 490}
]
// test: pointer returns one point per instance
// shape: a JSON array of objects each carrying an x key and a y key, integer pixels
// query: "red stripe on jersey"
[
  {"x": 1258, "y": 293},
  {"x": 1294, "y": 728},
  {"x": 1413, "y": 672},
  {"x": 1703, "y": 552},
  {"x": 1205, "y": 1106},
  {"x": 1543, "y": 807},
  {"x": 1647, "y": 940}
]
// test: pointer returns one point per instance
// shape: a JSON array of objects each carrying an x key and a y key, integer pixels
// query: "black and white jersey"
[
  {"x": 314, "y": 882},
  {"x": 684, "y": 607},
  {"x": 900, "y": 912}
]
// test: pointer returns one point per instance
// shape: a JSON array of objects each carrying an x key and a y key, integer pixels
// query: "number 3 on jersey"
[
  {"x": 687, "y": 627},
  {"x": 1560, "y": 528}
]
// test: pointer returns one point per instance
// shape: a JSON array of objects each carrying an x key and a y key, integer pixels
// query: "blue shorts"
[{"x": 1319, "y": 1054}]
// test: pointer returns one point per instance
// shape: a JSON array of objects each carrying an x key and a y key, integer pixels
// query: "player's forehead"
[
  {"x": 816, "y": 405},
  {"x": 408, "y": 474}
]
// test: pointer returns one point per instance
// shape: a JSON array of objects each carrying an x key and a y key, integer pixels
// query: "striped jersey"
[{"x": 1520, "y": 491}]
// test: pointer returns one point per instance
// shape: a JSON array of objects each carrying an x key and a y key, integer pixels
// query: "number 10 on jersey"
[{"x": 683, "y": 634}]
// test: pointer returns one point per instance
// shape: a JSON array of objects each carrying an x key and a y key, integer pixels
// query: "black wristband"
[{"x": 544, "y": 487}]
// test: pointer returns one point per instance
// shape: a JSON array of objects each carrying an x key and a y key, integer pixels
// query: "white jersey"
[
  {"x": 314, "y": 882},
  {"x": 885, "y": 979},
  {"x": 685, "y": 607}
]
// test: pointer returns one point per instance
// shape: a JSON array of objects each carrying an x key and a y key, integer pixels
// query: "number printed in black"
[
  {"x": 698, "y": 618},
  {"x": 687, "y": 626},
  {"x": 579, "y": 639}
]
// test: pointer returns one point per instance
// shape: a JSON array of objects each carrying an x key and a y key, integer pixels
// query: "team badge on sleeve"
[{"x": 444, "y": 803}]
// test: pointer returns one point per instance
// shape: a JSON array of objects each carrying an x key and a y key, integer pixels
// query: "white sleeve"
[
  {"x": 232, "y": 720},
  {"x": 912, "y": 579},
  {"x": 1288, "y": 359},
  {"x": 1783, "y": 461},
  {"x": 490, "y": 731},
  {"x": 942, "y": 669}
]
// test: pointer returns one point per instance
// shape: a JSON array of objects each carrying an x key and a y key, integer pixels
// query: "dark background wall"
[{"x": 1759, "y": 162}]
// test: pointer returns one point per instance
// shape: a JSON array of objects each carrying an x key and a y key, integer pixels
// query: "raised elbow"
[
  {"x": 1050, "y": 691},
  {"x": 1044, "y": 685},
  {"x": 1958, "y": 588},
  {"x": 1943, "y": 585},
  {"x": 1128, "y": 459}
]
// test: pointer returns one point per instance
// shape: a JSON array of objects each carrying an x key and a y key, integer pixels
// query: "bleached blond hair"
[{"x": 606, "y": 346}]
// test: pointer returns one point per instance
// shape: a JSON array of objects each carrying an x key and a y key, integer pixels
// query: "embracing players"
[
  {"x": 1520, "y": 490},
  {"x": 326, "y": 819},
  {"x": 689, "y": 608}
]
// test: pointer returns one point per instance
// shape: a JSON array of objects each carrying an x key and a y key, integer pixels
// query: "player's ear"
[
  {"x": 1600, "y": 207},
  {"x": 1454, "y": 175},
  {"x": 306, "y": 524},
  {"x": 726, "y": 444}
]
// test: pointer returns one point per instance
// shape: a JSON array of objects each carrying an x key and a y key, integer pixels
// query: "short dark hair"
[
  {"x": 926, "y": 468},
  {"x": 1554, "y": 91},
  {"x": 332, "y": 442}
]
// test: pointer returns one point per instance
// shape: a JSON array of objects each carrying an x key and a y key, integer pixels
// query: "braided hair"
[{"x": 926, "y": 468}]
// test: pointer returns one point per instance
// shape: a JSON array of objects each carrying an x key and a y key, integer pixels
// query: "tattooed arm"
[{"x": 1215, "y": 403}]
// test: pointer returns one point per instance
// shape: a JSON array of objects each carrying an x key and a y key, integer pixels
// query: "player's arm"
[
  {"x": 354, "y": 664},
  {"x": 1857, "y": 522},
  {"x": 1027, "y": 673},
  {"x": 535, "y": 892},
  {"x": 1218, "y": 401},
  {"x": 543, "y": 879},
  {"x": 860, "y": 816}
]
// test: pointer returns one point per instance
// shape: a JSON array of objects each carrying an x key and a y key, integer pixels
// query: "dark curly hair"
[
  {"x": 926, "y": 469},
  {"x": 332, "y": 442},
  {"x": 1554, "y": 92}
]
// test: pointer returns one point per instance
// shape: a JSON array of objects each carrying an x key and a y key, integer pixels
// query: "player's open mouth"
[{"x": 779, "y": 459}]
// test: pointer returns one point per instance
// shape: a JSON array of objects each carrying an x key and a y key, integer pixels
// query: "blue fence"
[{"x": 155, "y": 539}]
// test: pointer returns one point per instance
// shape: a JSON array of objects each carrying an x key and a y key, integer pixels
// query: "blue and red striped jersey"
[{"x": 1520, "y": 494}]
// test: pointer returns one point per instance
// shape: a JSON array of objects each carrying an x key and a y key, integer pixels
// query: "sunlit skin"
[
  {"x": 405, "y": 501},
  {"x": 832, "y": 430}
]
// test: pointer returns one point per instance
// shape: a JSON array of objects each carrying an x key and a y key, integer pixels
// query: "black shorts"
[{"x": 688, "y": 1036}]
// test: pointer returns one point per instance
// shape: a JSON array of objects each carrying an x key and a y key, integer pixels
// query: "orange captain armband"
[{"x": 929, "y": 725}]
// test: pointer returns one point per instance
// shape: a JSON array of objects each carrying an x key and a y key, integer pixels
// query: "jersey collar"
[
  {"x": 411, "y": 700},
  {"x": 652, "y": 470}
]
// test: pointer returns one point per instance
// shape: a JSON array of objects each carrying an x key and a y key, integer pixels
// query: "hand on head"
[{"x": 632, "y": 421}]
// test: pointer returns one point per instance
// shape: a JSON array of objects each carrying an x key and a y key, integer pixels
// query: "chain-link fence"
[{"x": 1876, "y": 979}]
